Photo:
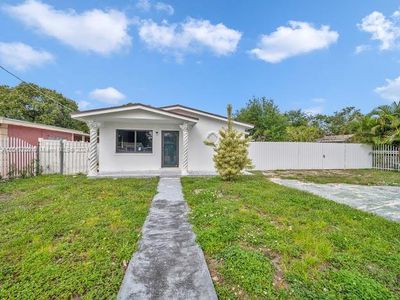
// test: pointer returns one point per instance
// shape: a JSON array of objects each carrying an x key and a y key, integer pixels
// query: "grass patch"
[
  {"x": 363, "y": 176},
  {"x": 69, "y": 237},
  {"x": 263, "y": 240}
]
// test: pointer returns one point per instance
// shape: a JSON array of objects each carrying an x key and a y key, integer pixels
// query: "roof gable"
[{"x": 194, "y": 111}]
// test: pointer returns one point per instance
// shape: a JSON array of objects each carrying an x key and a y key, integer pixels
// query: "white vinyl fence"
[
  {"x": 386, "y": 157},
  {"x": 20, "y": 159},
  {"x": 17, "y": 158},
  {"x": 63, "y": 157},
  {"x": 293, "y": 155}
]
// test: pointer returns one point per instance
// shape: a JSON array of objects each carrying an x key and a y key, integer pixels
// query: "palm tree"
[{"x": 383, "y": 124}]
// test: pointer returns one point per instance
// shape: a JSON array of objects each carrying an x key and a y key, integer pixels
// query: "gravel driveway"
[{"x": 381, "y": 200}]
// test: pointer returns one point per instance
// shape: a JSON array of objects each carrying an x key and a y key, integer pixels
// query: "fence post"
[
  {"x": 61, "y": 157},
  {"x": 37, "y": 161}
]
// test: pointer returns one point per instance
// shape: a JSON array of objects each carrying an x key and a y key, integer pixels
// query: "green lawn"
[
  {"x": 64, "y": 237},
  {"x": 364, "y": 177},
  {"x": 263, "y": 240}
]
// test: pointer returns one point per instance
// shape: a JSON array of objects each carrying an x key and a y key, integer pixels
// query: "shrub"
[{"x": 231, "y": 150}]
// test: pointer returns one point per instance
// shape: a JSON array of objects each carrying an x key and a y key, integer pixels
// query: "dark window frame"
[{"x": 134, "y": 132}]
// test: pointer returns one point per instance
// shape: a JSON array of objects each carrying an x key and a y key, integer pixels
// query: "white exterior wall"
[
  {"x": 289, "y": 155},
  {"x": 200, "y": 155},
  {"x": 110, "y": 161}
]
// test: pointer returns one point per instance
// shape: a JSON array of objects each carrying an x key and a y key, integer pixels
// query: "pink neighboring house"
[{"x": 31, "y": 132}]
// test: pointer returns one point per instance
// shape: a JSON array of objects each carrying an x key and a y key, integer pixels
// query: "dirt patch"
[
  {"x": 7, "y": 196},
  {"x": 279, "y": 280},
  {"x": 301, "y": 173},
  {"x": 212, "y": 267},
  {"x": 276, "y": 260}
]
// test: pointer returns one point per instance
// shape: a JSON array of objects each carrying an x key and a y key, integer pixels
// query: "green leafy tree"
[
  {"x": 269, "y": 123},
  {"x": 344, "y": 121},
  {"x": 231, "y": 151},
  {"x": 297, "y": 118},
  {"x": 320, "y": 121},
  {"x": 29, "y": 102},
  {"x": 303, "y": 133}
]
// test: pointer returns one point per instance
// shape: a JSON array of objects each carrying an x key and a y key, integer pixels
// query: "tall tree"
[
  {"x": 321, "y": 122},
  {"x": 297, "y": 118},
  {"x": 344, "y": 121},
  {"x": 32, "y": 103},
  {"x": 269, "y": 123}
]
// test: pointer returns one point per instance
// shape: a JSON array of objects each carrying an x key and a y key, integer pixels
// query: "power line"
[{"x": 36, "y": 89}]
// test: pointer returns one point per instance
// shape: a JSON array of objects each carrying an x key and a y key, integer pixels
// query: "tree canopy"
[
  {"x": 270, "y": 123},
  {"x": 30, "y": 102},
  {"x": 381, "y": 125}
]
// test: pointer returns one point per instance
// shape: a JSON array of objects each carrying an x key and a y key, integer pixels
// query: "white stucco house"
[{"x": 141, "y": 138}]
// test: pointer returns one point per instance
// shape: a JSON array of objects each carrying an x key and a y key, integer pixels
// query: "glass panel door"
[{"x": 170, "y": 148}]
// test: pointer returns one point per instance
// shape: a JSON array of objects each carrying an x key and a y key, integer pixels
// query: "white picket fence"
[
  {"x": 386, "y": 157},
  {"x": 293, "y": 155},
  {"x": 19, "y": 159}
]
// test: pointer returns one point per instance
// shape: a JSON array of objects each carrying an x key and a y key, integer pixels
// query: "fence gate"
[
  {"x": 17, "y": 158},
  {"x": 386, "y": 157}
]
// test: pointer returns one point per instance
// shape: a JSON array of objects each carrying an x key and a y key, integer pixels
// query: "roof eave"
[
  {"x": 22, "y": 123},
  {"x": 97, "y": 112}
]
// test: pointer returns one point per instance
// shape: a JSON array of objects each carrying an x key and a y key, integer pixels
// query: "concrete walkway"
[
  {"x": 380, "y": 200},
  {"x": 168, "y": 264}
]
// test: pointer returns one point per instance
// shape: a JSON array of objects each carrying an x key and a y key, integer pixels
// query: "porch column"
[
  {"x": 93, "y": 127},
  {"x": 185, "y": 145}
]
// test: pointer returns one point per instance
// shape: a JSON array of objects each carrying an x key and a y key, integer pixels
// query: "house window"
[{"x": 134, "y": 141}]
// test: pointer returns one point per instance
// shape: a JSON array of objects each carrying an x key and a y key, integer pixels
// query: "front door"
[{"x": 170, "y": 149}]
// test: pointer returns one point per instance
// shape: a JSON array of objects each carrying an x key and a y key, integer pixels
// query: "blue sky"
[{"x": 315, "y": 55}]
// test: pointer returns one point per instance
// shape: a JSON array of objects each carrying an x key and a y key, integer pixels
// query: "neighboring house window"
[{"x": 134, "y": 141}]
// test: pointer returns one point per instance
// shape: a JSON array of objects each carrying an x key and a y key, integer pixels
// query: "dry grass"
[{"x": 363, "y": 177}]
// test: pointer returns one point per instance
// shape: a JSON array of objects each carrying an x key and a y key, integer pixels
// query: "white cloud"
[
  {"x": 295, "y": 39},
  {"x": 382, "y": 29},
  {"x": 361, "y": 48},
  {"x": 108, "y": 95},
  {"x": 164, "y": 7},
  {"x": 390, "y": 91},
  {"x": 147, "y": 5},
  {"x": 315, "y": 110},
  {"x": 94, "y": 30},
  {"x": 189, "y": 35},
  {"x": 144, "y": 5},
  {"x": 21, "y": 57},
  {"x": 83, "y": 104}
]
